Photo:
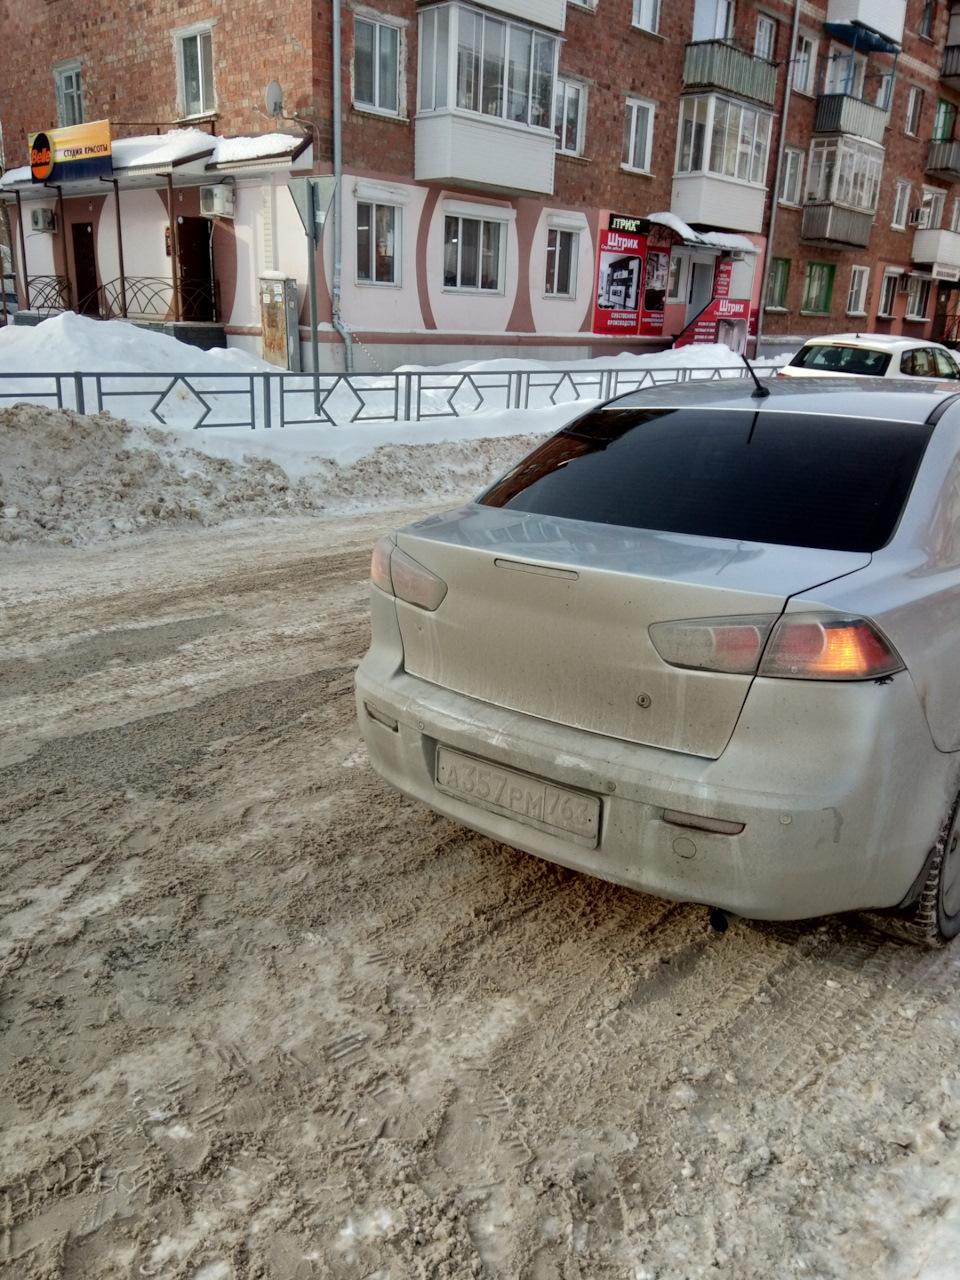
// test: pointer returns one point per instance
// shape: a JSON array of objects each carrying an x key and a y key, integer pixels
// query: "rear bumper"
[{"x": 840, "y": 789}]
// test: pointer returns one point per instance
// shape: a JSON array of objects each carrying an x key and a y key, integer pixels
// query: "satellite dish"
[{"x": 274, "y": 98}]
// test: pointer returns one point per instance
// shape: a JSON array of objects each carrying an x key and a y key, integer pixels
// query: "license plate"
[{"x": 519, "y": 795}]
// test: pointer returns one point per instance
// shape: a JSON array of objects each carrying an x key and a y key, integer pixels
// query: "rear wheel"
[{"x": 936, "y": 917}]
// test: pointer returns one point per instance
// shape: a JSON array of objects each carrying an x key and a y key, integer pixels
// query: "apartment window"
[
  {"x": 377, "y": 242},
  {"x": 857, "y": 293},
  {"x": 765, "y": 38},
  {"x": 914, "y": 107},
  {"x": 791, "y": 185},
  {"x": 918, "y": 295},
  {"x": 561, "y": 263},
  {"x": 472, "y": 254},
  {"x": 884, "y": 90},
  {"x": 845, "y": 171},
  {"x": 901, "y": 205},
  {"x": 376, "y": 66},
  {"x": 804, "y": 64},
  {"x": 677, "y": 279},
  {"x": 931, "y": 201},
  {"x": 955, "y": 215},
  {"x": 845, "y": 73},
  {"x": 720, "y": 136},
  {"x": 500, "y": 69},
  {"x": 646, "y": 14},
  {"x": 818, "y": 287},
  {"x": 944, "y": 121},
  {"x": 713, "y": 19},
  {"x": 196, "y": 71},
  {"x": 568, "y": 116},
  {"x": 638, "y": 135},
  {"x": 888, "y": 294},
  {"x": 69, "y": 93},
  {"x": 925, "y": 28},
  {"x": 777, "y": 283}
]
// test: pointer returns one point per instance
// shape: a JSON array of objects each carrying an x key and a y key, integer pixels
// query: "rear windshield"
[
  {"x": 842, "y": 360},
  {"x": 805, "y": 481}
]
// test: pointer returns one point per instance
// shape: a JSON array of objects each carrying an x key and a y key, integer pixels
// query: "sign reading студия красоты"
[{"x": 71, "y": 154}]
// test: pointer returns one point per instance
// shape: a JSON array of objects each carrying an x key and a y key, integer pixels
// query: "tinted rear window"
[
  {"x": 834, "y": 483},
  {"x": 843, "y": 360}
]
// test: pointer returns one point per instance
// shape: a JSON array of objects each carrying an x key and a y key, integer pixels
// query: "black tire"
[{"x": 935, "y": 918}]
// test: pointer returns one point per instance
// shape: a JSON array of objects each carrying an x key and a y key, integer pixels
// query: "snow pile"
[{"x": 70, "y": 479}]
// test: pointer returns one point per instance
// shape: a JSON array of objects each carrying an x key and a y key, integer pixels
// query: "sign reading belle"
[{"x": 71, "y": 154}]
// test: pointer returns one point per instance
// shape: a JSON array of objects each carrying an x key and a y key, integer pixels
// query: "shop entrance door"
[
  {"x": 86, "y": 301},
  {"x": 196, "y": 269},
  {"x": 701, "y": 286}
]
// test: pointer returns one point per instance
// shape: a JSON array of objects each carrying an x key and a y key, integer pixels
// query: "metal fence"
[{"x": 270, "y": 400}]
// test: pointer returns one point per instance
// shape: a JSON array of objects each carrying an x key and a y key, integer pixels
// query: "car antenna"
[{"x": 761, "y": 390}]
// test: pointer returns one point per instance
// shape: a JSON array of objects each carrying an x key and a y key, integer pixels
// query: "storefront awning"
[
  {"x": 189, "y": 154},
  {"x": 719, "y": 241}
]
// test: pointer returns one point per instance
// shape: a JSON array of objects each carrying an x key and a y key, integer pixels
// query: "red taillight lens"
[
  {"x": 828, "y": 647},
  {"x": 731, "y": 645},
  {"x": 393, "y": 571}
]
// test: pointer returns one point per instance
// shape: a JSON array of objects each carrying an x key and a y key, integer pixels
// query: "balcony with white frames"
[{"x": 860, "y": 20}]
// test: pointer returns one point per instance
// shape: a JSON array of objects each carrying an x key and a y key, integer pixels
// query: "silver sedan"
[{"x": 702, "y": 642}]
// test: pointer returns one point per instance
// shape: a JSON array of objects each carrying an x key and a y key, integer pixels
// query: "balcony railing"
[
  {"x": 943, "y": 160},
  {"x": 841, "y": 113},
  {"x": 136, "y": 297},
  {"x": 833, "y": 226},
  {"x": 714, "y": 64}
]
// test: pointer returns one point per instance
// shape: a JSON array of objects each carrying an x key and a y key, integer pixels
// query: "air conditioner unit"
[
  {"x": 43, "y": 220},
  {"x": 919, "y": 217},
  {"x": 217, "y": 202}
]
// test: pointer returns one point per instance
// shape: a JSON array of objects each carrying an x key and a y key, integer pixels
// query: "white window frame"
[
  {"x": 791, "y": 181},
  {"x": 777, "y": 282},
  {"x": 918, "y": 297},
  {"x": 379, "y": 25},
  {"x": 805, "y": 63},
  {"x": 375, "y": 202},
  {"x": 857, "y": 292},
  {"x": 955, "y": 214},
  {"x": 846, "y": 71},
  {"x": 901, "y": 205},
  {"x": 556, "y": 234},
  {"x": 765, "y": 37},
  {"x": 202, "y": 33},
  {"x": 849, "y": 177},
  {"x": 68, "y": 81},
  {"x": 911, "y": 125},
  {"x": 442, "y": 87},
  {"x": 565, "y": 87},
  {"x": 646, "y": 15},
  {"x": 889, "y": 286},
  {"x": 713, "y": 19},
  {"x": 482, "y": 214},
  {"x": 933, "y": 199},
  {"x": 634, "y": 112},
  {"x": 744, "y": 145},
  {"x": 677, "y": 277}
]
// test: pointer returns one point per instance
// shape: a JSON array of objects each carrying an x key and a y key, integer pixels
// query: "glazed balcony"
[
  {"x": 833, "y": 226},
  {"x": 842, "y": 113},
  {"x": 943, "y": 160},
  {"x": 714, "y": 64},
  {"x": 464, "y": 147}
]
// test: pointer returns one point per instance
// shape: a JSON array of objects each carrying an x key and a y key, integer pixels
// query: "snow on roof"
[
  {"x": 712, "y": 239},
  {"x": 161, "y": 152}
]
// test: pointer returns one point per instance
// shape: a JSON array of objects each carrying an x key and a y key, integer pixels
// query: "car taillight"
[
  {"x": 799, "y": 646},
  {"x": 731, "y": 645},
  {"x": 393, "y": 571},
  {"x": 810, "y": 646}
]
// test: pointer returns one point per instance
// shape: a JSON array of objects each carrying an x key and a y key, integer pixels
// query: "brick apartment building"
[{"x": 549, "y": 178}]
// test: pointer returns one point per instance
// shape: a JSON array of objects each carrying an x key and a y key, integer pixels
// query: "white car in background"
[{"x": 872, "y": 355}]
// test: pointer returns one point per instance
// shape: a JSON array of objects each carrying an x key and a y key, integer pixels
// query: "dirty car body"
[{"x": 699, "y": 643}]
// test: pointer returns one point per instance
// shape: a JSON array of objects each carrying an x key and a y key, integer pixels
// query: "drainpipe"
[
  {"x": 123, "y": 282},
  {"x": 338, "y": 324},
  {"x": 775, "y": 195},
  {"x": 23, "y": 253}
]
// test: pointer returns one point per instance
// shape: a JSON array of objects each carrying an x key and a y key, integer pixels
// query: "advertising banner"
[
  {"x": 631, "y": 282},
  {"x": 72, "y": 154}
]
